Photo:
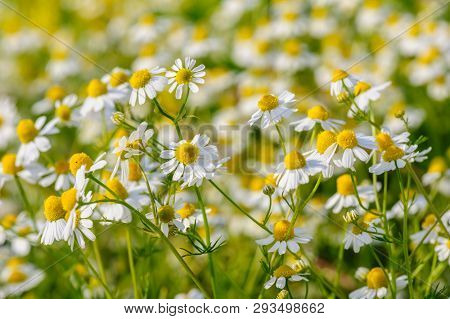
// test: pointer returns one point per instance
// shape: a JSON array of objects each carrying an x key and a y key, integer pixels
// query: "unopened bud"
[
  {"x": 282, "y": 294},
  {"x": 268, "y": 190},
  {"x": 343, "y": 97},
  {"x": 350, "y": 216},
  {"x": 118, "y": 118},
  {"x": 399, "y": 114}
]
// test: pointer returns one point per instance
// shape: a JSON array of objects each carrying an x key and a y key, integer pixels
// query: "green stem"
[
  {"x": 390, "y": 246},
  {"x": 25, "y": 198},
  {"x": 98, "y": 258},
  {"x": 99, "y": 278},
  {"x": 283, "y": 145},
  {"x": 180, "y": 112},
  {"x": 131, "y": 263}
]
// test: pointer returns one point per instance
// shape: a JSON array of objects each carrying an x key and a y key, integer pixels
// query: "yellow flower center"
[
  {"x": 26, "y": 131},
  {"x": 187, "y": 210},
  {"x": 166, "y": 213},
  {"x": 77, "y": 160},
  {"x": 118, "y": 78},
  {"x": 96, "y": 88},
  {"x": 271, "y": 180},
  {"x": 63, "y": 112},
  {"x": 77, "y": 217},
  {"x": 16, "y": 276},
  {"x": 428, "y": 221},
  {"x": 9, "y": 164},
  {"x": 1, "y": 121},
  {"x": 14, "y": 262},
  {"x": 429, "y": 56},
  {"x": 268, "y": 102},
  {"x": 140, "y": 78},
  {"x": 448, "y": 244},
  {"x": 324, "y": 140},
  {"x": 187, "y": 153},
  {"x": 361, "y": 87},
  {"x": 280, "y": 230},
  {"x": 61, "y": 167},
  {"x": 200, "y": 33},
  {"x": 262, "y": 47},
  {"x": 116, "y": 186},
  {"x": 376, "y": 278},
  {"x": 393, "y": 153},
  {"x": 183, "y": 76},
  {"x": 284, "y": 271},
  {"x": 347, "y": 139},
  {"x": 339, "y": 75},
  {"x": 148, "y": 49},
  {"x": 53, "y": 209},
  {"x": 384, "y": 141},
  {"x": 69, "y": 199},
  {"x": 256, "y": 183},
  {"x": 55, "y": 93},
  {"x": 294, "y": 160},
  {"x": 134, "y": 172},
  {"x": 344, "y": 185},
  {"x": 24, "y": 231},
  {"x": 147, "y": 19},
  {"x": 356, "y": 230},
  {"x": 292, "y": 47},
  {"x": 437, "y": 165},
  {"x": 368, "y": 217},
  {"x": 8, "y": 221},
  {"x": 318, "y": 112}
]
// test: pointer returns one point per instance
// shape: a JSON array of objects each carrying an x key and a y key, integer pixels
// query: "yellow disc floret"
[
  {"x": 183, "y": 76},
  {"x": 53, "y": 209},
  {"x": 361, "y": 87},
  {"x": 187, "y": 210},
  {"x": 63, "y": 112},
  {"x": 294, "y": 160},
  {"x": 393, "y": 153},
  {"x": 69, "y": 199},
  {"x": 117, "y": 78},
  {"x": 61, "y": 167},
  {"x": 344, "y": 185},
  {"x": 55, "y": 93},
  {"x": 347, "y": 139},
  {"x": 9, "y": 164},
  {"x": 318, "y": 112},
  {"x": 324, "y": 140},
  {"x": 140, "y": 78},
  {"x": 26, "y": 131},
  {"x": 376, "y": 278},
  {"x": 428, "y": 221},
  {"x": 339, "y": 75},
  {"x": 268, "y": 102},
  {"x": 437, "y": 165},
  {"x": 117, "y": 187},
  {"x": 96, "y": 88},
  {"x": 16, "y": 276},
  {"x": 384, "y": 141},
  {"x": 187, "y": 153},
  {"x": 166, "y": 213},
  {"x": 8, "y": 221},
  {"x": 284, "y": 271},
  {"x": 280, "y": 230},
  {"x": 79, "y": 159},
  {"x": 134, "y": 172}
]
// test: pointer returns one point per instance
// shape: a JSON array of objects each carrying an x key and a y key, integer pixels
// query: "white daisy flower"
[
  {"x": 32, "y": 136},
  {"x": 353, "y": 146},
  {"x": 283, "y": 274},
  {"x": 341, "y": 82},
  {"x": 345, "y": 196},
  {"x": 189, "y": 214},
  {"x": 53, "y": 94},
  {"x": 8, "y": 118},
  {"x": 9, "y": 169},
  {"x": 416, "y": 203},
  {"x": 64, "y": 113},
  {"x": 18, "y": 276},
  {"x": 98, "y": 99},
  {"x": 317, "y": 115},
  {"x": 81, "y": 164},
  {"x": 19, "y": 231},
  {"x": 436, "y": 170},
  {"x": 325, "y": 149},
  {"x": 396, "y": 157},
  {"x": 295, "y": 170},
  {"x": 364, "y": 93},
  {"x": 187, "y": 74},
  {"x": 146, "y": 83},
  {"x": 118, "y": 85},
  {"x": 443, "y": 249},
  {"x": 385, "y": 139},
  {"x": 377, "y": 285},
  {"x": 58, "y": 174},
  {"x": 283, "y": 240},
  {"x": 355, "y": 237},
  {"x": 273, "y": 108},
  {"x": 191, "y": 161},
  {"x": 55, "y": 222},
  {"x": 167, "y": 217},
  {"x": 432, "y": 236}
]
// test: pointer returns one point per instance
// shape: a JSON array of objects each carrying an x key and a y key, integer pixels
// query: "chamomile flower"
[
  {"x": 189, "y": 214},
  {"x": 345, "y": 196},
  {"x": 18, "y": 276},
  {"x": 283, "y": 240},
  {"x": 33, "y": 138},
  {"x": 146, "y": 83},
  {"x": 443, "y": 249},
  {"x": 55, "y": 223},
  {"x": 9, "y": 169},
  {"x": 416, "y": 203},
  {"x": 364, "y": 93},
  {"x": 54, "y": 93},
  {"x": 283, "y": 274},
  {"x": 376, "y": 284},
  {"x": 8, "y": 117},
  {"x": 185, "y": 75},
  {"x": 386, "y": 139},
  {"x": 395, "y": 157},
  {"x": 295, "y": 170},
  {"x": 118, "y": 85},
  {"x": 19, "y": 231},
  {"x": 341, "y": 82},
  {"x": 436, "y": 170},
  {"x": 317, "y": 115},
  {"x": 273, "y": 108},
  {"x": 58, "y": 174},
  {"x": 356, "y": 236},
  {"x": 190, "y": 161},
  {"x": 167, "y": 217},
  {"x": 353, "y": 146},
  {"x": 325, "y": 149},
  {"x": 81, "y": 164},
  {"x": 98, "y": 99},
  {"x": 425, "y": 235}
]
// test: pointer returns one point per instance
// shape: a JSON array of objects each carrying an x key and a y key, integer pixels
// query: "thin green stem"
[
  {"x": 25, "y": 198},
  {"x": 99, "y": 278},
  {"x": 131, "y": 263},
  {"x": 98, "y": 258},
  {"x": 283, "y": 145}
]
